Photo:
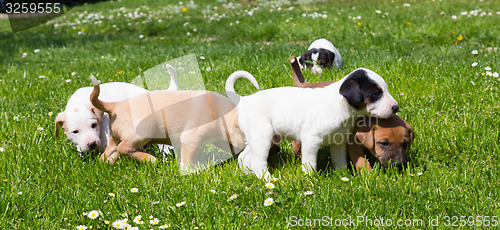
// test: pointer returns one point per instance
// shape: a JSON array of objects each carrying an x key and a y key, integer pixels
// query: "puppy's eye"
[
  {"x": 384, "y": 144},
  {"x": 94, "y": 125},
  {"x": 377, "y": 93},
  {"x": 75, "y": 132}
]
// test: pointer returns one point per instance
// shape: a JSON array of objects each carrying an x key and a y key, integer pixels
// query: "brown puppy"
[
  {"x": 386, "y": 139},
  {"x": 185, "y": 119}
]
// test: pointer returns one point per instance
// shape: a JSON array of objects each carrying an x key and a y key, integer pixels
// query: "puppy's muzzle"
[
  {"x": 92, "y": 145},
  {"x": 395, "y": 109}
]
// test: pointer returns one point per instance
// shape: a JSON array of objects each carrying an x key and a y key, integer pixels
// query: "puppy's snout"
[
  {"x": 92, "y": 145},
  {"x": 395, "y": 108}
]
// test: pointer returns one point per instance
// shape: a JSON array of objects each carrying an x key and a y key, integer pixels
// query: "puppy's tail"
[
  {"x": 298, "y": 78},
  {"x": 94, "y": 98},
  {"x": 233, "y": 96},
  {"x": 174, "y": 81}
]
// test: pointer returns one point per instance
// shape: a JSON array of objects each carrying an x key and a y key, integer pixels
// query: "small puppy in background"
[
  {"x": 87, "y": 127},
  {"x": 321, "y": 53},
  {"x": 386, "y": 139}
]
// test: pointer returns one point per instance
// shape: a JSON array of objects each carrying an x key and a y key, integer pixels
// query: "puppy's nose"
[
  {"x": 92, "y": 145},
  {"x": 395, "y": 108}
]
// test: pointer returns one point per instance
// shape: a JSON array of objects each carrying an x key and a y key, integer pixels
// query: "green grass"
[{"x": 415, "y": 49}]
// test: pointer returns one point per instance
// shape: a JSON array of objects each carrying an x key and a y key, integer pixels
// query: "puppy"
[
  {"x": 86, "y": 126},
  {"x": 321, "y": 53},
  {"x": 288, "y": 113},
  {"x": 386, "y": 139},
  {"x": 185, "y": 119}
]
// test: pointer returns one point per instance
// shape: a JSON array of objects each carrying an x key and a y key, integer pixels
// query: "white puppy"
[
  {"x": 288, "y": 113},
  {"x": 88, "y": 127},
  {"x": 321, "y": 53}
]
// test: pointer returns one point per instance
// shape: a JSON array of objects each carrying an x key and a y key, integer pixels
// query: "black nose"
[
  {"x": 395, "y": 108},
  {"x": 92, "y": 145}
]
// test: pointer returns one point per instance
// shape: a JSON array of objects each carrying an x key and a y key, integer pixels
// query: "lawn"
[{"x": 439, "y": 58}]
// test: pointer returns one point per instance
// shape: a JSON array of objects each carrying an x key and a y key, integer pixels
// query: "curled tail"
[
  {"x": 174, "y": 81},
  {"x": 94, "y": 98},
  {"x": 298, "y": 78},
  {"x": 233, "y": 96}
]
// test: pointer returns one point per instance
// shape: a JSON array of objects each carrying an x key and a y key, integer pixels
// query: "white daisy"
[
  {"x": 93, "y": 214},
  {"x": 487, "y": 68},
  {"x": 51, "y": 113},
  {"x": 454, "y": 17},
  {"x": 111, "y": 194},
  {"x": 164, "y": 226},
  {"x": 40, "y": 128},
  {"x": 268, "y": 202},
  {"x": 474, "y": 64},
  {"x": 474, "y": 52},
  {"x": 495, "y": 74},
  {"x": 308, "y": 193},
  {"x": 36, "y": 50},
  {"x": 180, "y": 204},
  {"x": 270, "y": 185},
  {"x": 137, "y": 219},
  {"x": 25, "y": 54},
  {"x": 212, "y": 191},
  {"x": 73, "y": 73},
  {"x": 234, "y": 196},
  {"x": 154, "y": 221},
  {"x": 344, "y": 179},
  {"x": 420, "y": 174},
  {"x": 133, "y": 228},
  {"x": 68, "y": 80},
  {"x": 141, "y": 36},
  {"x": 81, "y": 227},
  {"x": 2, "y": 149},
  {"x": 134, "y": 190}
]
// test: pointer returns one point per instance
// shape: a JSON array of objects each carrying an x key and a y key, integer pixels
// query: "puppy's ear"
[
  {"x": 306, "y": 59},
  {"x": 411, "y": 134},
  {"x": 365, "y": 136},
  {"x": 98, "y": 113},
  {"x": 326, "y": 58},
  {"x": 351, "y": 90},
  {"x": 60, "y": 119}
]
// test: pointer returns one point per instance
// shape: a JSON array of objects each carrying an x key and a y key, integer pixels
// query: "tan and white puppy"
[
  {"x": 186, "y": 119},
  {"x": 86, "y": 126},
  {"x": 288, "y": 113}
]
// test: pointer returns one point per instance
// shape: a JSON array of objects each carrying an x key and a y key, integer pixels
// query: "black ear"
[
  {"x": 306, "y": 59},
  {"x": 351, "y": 90},
  {"x": 326, "y": 58}
]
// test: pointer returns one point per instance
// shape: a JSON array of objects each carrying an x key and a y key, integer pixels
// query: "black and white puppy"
[
  {"x": 287, "y": 113},
  {"x": 321, "y": 53}
]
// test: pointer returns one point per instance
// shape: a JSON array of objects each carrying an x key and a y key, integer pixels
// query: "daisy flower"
[
  {"x": 164, "y": 226},
  {"x": 344, "y": 179},
  {"x": 93, "y": 214},
  {"x": 474, "y": 64},
  {"x": 68, "y": 80},
  {"x": 73, "y": 74},
  {"x": 454, "y": 17},
  {"x": 2, "y": 149},
  {"x": 20, "y": 193},
  {"x": 25, "y": 54},
  {"x": 36, "y": 51},
  {"x": 15, "y": 118},
  {"x": 154, "y": 221},
  {"x": 202, "y": 58},
  {"x": 81, "y": 227},
  {"x": 137, "y": 219},
  {"x": 308, "y": 193},
  {"x": 268, "y": 202},
  {"x": 51, "y": 113},
  {"x": 487, "y": 68},
  {"x": 106, "y": 222},
  {"x": 141, "y": 36},
  {"x": 270, "y": 185},
  {"x": 133, "y": 228},
  {"x": 234, "y": 196},
  {"x": 134, "y": 190},
  {"x": 420, "y": 174},
  {"x": 111, "y": 194},
  {"x": 495, "y": 74},
  {"x": 474, "y": 52},
  {"x": 489, "y": 74},
  {"x": 42, "y": 77},
  {"x": 156, "y": 202},
  {"x": 212, "y": 191},
  {"x": 40, "y": 128},
  {"x": 180, "y": 204}
]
